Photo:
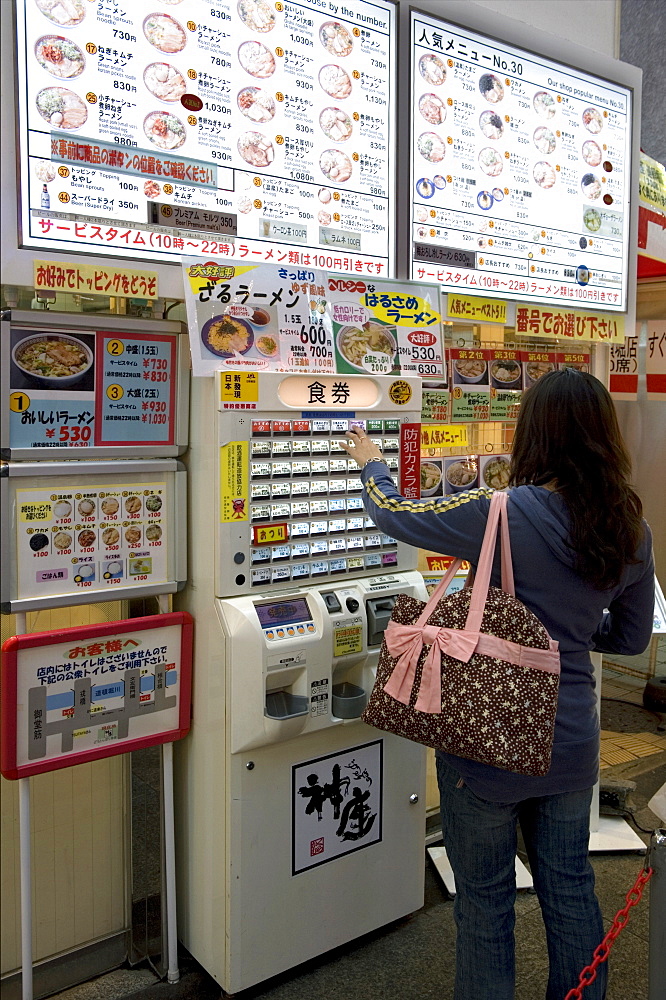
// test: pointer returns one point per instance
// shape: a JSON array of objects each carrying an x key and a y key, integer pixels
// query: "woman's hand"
[{"x": 359, "y": 447}]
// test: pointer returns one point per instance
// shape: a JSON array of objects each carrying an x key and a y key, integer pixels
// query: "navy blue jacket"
[{"x": 579, "y": 616}]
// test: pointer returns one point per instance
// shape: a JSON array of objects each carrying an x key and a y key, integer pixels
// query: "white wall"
[{"x": 592, "y": 23}]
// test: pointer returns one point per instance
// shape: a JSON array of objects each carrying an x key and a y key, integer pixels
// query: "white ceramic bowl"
[
  {"x": 433, "y": 489},
  {"x": 52, "y": 381},
  {"x": 454, "y": 487}
]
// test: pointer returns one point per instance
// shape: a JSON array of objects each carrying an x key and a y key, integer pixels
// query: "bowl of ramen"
[
  {"x": 227, "y": 336},
  {"x": 52, "y": 360},
  {"x": 257, "y": 15},
  {"x": 469, "y": 370},
  {"x": 334, "y": 81},
  {"x": 461, "y": 475},
  {"x": 164, "y": 32},
  {"x": 491, "y": 125},
  {"x": 591, "y": 153},
  {"x": 336, "y": 39},
  {"x": 431, "y": 147},
  {"x": 496, "y": 474},
  {"x": 592, "y": 220},
  {"x": 537, "y": 369},
  {"x": 164, "y": 81},
  {"x": 164, "y": 130},
  {"x": 544, "y": 104},
  {"x": 354, "y": 342},
  {"x": 65, "y": 13},
  {"x": 425, "y": 188},
  {"x": 432, "y": 108},
  {"x": 431, "y": 478},
  {"x": 505, "y": 374},
  {"x": 59, "y": 56},
  {"x": 593, "y": 120},
  {"x": 544, "y": 140},
  {"x": 61, "y": 108},
  {"x": 432, "y": 69},
  {"x": 255, "y": 104}
]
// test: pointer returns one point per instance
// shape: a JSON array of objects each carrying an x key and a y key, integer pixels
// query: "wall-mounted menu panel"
[
  {"x": 104, "y": 386},
  {"x": 247, "y": 128},
  {"x": 520, "y": 172},
  {"x": 77, "y": 532}
]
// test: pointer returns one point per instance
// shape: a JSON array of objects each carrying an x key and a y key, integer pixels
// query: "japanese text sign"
[
  {"x": 655, "y": 359},
  {"x": 594, "y": 327},
  {"x": 92, "y": 279},
  {"x": 623, "y": 380},
  {"x": 80, "y": 694},
  {"x": 290, "y": 319}
]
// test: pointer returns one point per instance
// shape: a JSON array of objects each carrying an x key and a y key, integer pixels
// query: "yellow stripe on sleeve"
[{"x": 435, "y": 505}]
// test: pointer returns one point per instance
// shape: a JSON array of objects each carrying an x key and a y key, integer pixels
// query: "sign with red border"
[{"x": 80, "y": 694}]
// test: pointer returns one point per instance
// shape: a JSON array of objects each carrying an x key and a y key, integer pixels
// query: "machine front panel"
[{"x": 291, "y": 511}]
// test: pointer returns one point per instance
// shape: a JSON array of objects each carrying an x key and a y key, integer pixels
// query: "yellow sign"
[
  {"x": 443, "y": 435},
  {"x": 95, "y": 279},
  {"x": 35, "y": 511},
  {"x": 347, "y": 639},
  {"x": 269, "y": 534},
  {"x": 475, "y": 309},
  {"x": 239, "y": 387},
  {"x": 421, "y": 313},
  {"x": 400, "y": 392},
  {"x": 234, "y": 482},
  {"x": 565, "y": 324}
]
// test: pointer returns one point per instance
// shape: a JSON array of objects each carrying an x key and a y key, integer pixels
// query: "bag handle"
[
  {"x": 497, "y": 515},
  {"x": 498, "y": 504}
]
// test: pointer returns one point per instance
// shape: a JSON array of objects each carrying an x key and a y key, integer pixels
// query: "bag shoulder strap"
[
  {"x": 498, "y": 504},
  {"x": 496, "y": 515}
]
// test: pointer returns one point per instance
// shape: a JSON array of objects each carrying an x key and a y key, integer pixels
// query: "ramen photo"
[
  {"x": 335, "y": 124},
  {"x": 354, "y": 342},
  {"x": 59, "y": 57},
  {"x": 164, "y": 81},
  {"x": 432, "y": 108},
  {"x": 431, "y": 477},
  {"x": 544, "y": 174},
  {"x": 61, "y": 108},
  {"x": 226, "y": 336},
  {"x": 432, "y": 69},
  {"x": 164, "y": 32},
  {"x": 431, "y": 147},
  {"x": 66, "y": 13},
  {"x": 256, "y": 59},
  {"x": 593, "y": 120},
  {"x": 496, "y": 474},
  {"x": 255, "y": 104},
  {"x": 335, "y": 38},
  {"x": 255, "y": 149},
  {"x": 334, "y": 81},
  {"x": 257, "y": 15},
  {"x": 164, "y": 130},
  {"x": 52, "y": 358},
  {"x": 491, "y": 125},
  {"x": 491, "y": 88},
  {"x": 490, "y": 161},
  {"x": 544, "y": 140},
  {"x": 544, "y": 104},
  {"x": 461, "y": 474}
]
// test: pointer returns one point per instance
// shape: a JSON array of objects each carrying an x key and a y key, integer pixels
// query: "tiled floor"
[{"x": 413, "y": 959}]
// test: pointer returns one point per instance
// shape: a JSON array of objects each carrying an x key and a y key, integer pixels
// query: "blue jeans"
[{"x": 480, "y": 839}]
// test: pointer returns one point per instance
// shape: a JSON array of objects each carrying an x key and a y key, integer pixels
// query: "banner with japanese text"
[
  {"x": 291, "y": 319},
  {"x": 623, "y": 379},
  {"x": 655, "y": 359},
  {"x": 94, "y": 279},
  {"x": 565, "y": 324}
]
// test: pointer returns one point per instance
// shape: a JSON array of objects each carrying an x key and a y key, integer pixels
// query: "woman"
[{"x": 582, "y": 560}]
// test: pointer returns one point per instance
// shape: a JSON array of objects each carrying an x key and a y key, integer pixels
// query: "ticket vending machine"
[{"x": 301, "y": 828}]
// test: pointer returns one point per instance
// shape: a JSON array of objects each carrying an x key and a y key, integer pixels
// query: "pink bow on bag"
[{"x": 407, "y": 642}]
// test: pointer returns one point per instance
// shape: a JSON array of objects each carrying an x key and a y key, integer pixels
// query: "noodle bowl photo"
[
  {"x": 354, "y": 342},
  {"x": 52, "y": 360}
]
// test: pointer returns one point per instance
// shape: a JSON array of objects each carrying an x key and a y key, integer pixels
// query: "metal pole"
[
  {"x": 657, "y": 938},
  {"x": 173, "y": 973},
  {"x": 25, "y": 866},
  {"x": 26, "y": 888}
]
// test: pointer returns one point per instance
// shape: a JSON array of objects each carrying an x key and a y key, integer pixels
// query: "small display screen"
[{"x": 283, "y": 612}]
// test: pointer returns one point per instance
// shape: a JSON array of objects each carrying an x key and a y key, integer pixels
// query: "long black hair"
[{"x": 567, "y": 437}]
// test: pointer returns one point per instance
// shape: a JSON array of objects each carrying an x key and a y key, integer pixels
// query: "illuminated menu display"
[
  {"x": 237, "y": 129},
  {"x": 520, "y": 172}
]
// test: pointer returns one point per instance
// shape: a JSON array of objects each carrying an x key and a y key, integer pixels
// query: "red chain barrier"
[{"x": 602, "y": 951}]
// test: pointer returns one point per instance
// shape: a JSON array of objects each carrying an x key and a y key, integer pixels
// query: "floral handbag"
[{"x": 473, "y": 673}]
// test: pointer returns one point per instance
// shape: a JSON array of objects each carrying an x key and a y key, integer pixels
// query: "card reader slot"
[{"x": 378, "y": 610}]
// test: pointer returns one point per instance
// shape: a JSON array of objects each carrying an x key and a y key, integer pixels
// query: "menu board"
[
  {"x": 90, "y": 537},
  {"x": 104, "y": 389},
  {"x": 252, "y": 128},
  {"x": 519, "y": 170},
  {"x": 267, "y": 318}
]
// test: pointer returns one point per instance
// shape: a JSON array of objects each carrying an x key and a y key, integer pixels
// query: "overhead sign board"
[
  {"x": 520, "y": 172},
  {"x": 276, "y": 117}
]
